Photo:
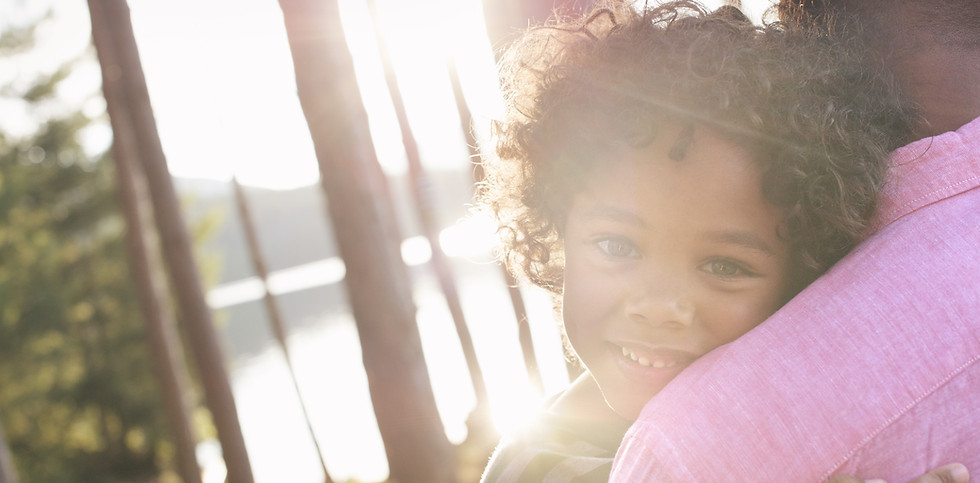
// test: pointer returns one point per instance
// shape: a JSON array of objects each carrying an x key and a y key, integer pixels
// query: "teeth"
[{"x": 643, "y": 361}]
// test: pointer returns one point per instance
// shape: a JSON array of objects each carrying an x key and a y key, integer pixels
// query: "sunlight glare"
[
  {"x": 421, "y": 38},
  {"x": 416, "y": 251},
  {"x": 473, "y": 238},
  {"x": 516, "y": 410},
  {"x": 223, "y": 91},
  {"x": 213, "y": 468}
]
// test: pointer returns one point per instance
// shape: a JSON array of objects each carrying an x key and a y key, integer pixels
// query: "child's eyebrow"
[
  {"x": 746, "y": 239},
  {"x": 613, "y": 213}
]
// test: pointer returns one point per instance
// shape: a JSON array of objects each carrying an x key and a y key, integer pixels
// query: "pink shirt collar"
[{"x": 929, "y": 170}]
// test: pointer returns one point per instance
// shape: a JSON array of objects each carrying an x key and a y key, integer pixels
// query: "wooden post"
[
  {"x": 272, "y": 309},
  {"x": 516, "y": 299},
  {"x": 112, "y": 29},
  {"x": 161, "y": 334},
  {"x": 363, "y": 217},
  {"x": 419, "y": 182},
  {"x": 506, "y": 20},
  {"x": 8, "y": 472}
]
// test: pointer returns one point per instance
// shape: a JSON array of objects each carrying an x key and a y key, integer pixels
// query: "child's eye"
[
  {"x": 725, "y": 269},
  {"x": 618, "y": 248}
]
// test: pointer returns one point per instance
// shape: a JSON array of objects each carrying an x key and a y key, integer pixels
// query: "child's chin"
[
  {"x": 629, "y": 409},
  {"x": 628, "y": 396}
]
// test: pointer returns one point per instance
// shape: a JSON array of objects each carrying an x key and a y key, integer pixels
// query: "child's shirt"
[{"x": 558, "y": 446}]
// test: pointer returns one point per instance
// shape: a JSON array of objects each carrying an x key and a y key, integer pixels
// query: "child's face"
[{"x": 666, "y": 260}]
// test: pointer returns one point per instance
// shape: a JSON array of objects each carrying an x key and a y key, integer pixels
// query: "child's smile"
[{"x": 666, "y": 260}]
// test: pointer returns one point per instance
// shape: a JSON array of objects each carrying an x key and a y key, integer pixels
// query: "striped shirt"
[{"x": 556, "y": 449}]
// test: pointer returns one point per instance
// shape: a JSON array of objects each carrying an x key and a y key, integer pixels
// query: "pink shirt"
[{"x": 872, "y": 370}]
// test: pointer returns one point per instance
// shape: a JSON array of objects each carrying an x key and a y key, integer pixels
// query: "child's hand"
[{"x": 951, "y": 473}]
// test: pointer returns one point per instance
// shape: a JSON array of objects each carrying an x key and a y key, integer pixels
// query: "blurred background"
[{"x": 195, "y": 280}]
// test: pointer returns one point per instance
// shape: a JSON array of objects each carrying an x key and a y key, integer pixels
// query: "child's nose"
[{"x": 660, "y": 300}]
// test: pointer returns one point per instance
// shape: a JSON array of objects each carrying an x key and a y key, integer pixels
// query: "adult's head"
[{"x": 931, "y": 46}]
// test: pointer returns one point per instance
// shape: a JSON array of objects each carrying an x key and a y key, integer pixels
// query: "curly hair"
[{"x": 818, "y": 122}]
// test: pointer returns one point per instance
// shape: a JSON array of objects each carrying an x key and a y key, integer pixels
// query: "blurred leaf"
[
  {"x": 45, "y": 88},
  {"x": 16, "y": 39}
]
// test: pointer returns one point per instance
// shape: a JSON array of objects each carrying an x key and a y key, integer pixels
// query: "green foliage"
[
  {"x": 79, "y": 399},
  {"x": 16, "y": 39}
]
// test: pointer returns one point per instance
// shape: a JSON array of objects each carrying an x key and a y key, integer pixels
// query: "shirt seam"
[
  {"x": 871, "y": 436},
  {"x": 910, "y": 206}
]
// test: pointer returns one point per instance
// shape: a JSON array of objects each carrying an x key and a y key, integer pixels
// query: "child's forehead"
[
  {"x": 697, "y": 162},
  {"x": 672, "y": 141},
  {"x": 717, "y": 188}
]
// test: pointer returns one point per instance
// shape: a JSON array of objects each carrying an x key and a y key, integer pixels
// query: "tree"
[{"x": 79, "y": 399}]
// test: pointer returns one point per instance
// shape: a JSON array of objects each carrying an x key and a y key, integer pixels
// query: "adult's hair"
[
  {"x": 817, "y": 122},
  {"x": 953, "y": 23}
]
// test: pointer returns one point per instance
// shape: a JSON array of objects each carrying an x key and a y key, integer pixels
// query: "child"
[{"x": 672, "y": 178}]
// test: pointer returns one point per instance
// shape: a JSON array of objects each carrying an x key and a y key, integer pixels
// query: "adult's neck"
[{"x": 944, "y": 82}]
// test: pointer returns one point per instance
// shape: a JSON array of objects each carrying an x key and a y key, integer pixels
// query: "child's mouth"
[
  {"x": 642, "y": 357},
  {"x": 646, "y": 361}
]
